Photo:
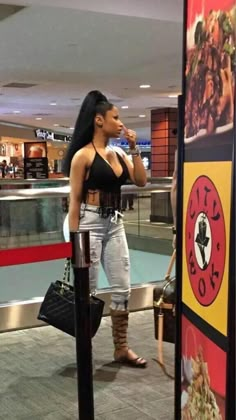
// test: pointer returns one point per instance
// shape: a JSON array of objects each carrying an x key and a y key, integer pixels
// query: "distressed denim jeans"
[{"x": 108, "y": 245}]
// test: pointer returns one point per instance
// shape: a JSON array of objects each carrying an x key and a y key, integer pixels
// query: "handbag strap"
[
  {"x": 66, "y": 274},
  {"x": 160, "y": 304},
  {"x": 160, "y": 357},
  {"x": 171, "y": 264},
  {"x": 167, "y": 279}
]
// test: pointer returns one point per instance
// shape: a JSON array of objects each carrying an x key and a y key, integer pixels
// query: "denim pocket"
[{"x": 89, "y": 218}]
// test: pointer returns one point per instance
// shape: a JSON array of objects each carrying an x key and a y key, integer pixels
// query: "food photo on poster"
[
  {"x": 35, "y": 150},
  {"x": 203, "y": 373},
  {"x": 209, "y": 74}
]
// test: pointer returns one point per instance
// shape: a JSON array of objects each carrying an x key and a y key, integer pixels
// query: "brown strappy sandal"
[
  {"x": 119, "y": 331},
  {"x": 138, "y": 362}
]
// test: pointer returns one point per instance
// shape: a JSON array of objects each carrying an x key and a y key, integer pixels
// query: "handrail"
[
  {"x": 22, "y": 194},
  {"x": 21, "y": 181},
  {"x": 63, "y": 180}
]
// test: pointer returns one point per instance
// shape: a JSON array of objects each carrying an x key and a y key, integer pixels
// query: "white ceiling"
[{"x": 66, "y": 50}]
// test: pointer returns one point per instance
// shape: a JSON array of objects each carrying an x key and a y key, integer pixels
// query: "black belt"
[{"x": 103, "y": 211}]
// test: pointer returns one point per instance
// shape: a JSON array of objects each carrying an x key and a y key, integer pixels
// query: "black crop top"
[{"x": 103, "y": 179}]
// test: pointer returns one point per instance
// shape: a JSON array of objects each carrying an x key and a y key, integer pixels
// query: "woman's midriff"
[
  {"x": 103, "y": 199},
  {"x": 93, "y": 198}
]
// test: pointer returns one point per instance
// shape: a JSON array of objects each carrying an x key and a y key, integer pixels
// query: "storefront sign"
[
  {"x": 44, "y": 134},
  {"x": 50, "y": 135}
]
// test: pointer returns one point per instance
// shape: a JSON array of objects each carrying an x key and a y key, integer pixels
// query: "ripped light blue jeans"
[{"x": 108, "y": 245}]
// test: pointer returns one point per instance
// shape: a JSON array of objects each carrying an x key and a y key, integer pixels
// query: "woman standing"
[{"x": 96, "y": 173}]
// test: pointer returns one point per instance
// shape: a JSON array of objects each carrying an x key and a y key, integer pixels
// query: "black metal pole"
[{"x": 80, "y": 262}]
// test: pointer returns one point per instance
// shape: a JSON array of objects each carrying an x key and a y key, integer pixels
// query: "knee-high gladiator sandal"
[{"x": 123, "y": 354}]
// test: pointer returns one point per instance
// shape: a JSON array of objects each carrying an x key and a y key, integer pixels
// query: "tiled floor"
[{"x": 38, "y": 376}]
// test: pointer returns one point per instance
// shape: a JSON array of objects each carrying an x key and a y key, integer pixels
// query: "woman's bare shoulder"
[{"x": 84, "y": 155}]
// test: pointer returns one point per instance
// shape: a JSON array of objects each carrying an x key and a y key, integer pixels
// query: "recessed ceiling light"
[
  {"x": 145, "y": 86},
  {"x": 71, "y": 128},
  {"x": 53, "y": 103},
  {"x": 142, "y": 116},
  {"x": 56, "y": 125},
  {"x": 38, "y": 118},
  {"x": 125, "y": 107},
  {"x": 173, "y": 96},
  {"x": 16, "y": 112}
]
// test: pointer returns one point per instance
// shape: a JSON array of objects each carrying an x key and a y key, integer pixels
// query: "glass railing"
[{"x": 32, "y": 212}]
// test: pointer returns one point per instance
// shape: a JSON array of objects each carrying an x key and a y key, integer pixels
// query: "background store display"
[{"x": 35, "y": 160}]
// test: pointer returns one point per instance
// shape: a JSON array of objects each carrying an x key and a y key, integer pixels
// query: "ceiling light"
[
  {"x": 16, "y": 112},
  {"x": 173, "y": 96},
  {"x": 125, "y": 107},
  {"x": 71, "y": 128},
  {"x": 53, "y": 103},
  {"x": 142, "y": 116},
  {"x": 56, "y": 125},
  {"x": 145, "y": 86},
  {"x": 38, "y": 118}
]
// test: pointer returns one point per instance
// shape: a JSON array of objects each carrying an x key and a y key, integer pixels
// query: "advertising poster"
[
  {"x": 209, "y": 79},
  {"x": 208, "y": 134},
  {"x": 35, "y": 160}
]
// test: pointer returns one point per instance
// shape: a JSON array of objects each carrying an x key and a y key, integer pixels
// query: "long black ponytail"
[{"x": 94, "y": 103}]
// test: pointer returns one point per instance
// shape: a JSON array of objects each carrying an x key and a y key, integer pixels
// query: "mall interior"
[{"x": 53, "y": 52}]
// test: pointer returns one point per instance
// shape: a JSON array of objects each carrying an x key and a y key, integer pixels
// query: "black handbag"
[
  {"x": 164, "y": 301},
  {"x": 58, "y": 306}
]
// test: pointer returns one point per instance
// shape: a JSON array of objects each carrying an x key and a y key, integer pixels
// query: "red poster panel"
[
  {"x": 203, "y": 369},
  {"x": 203, "y": 8}
]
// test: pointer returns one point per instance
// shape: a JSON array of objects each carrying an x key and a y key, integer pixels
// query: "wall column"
[{"x": 163, "y": 146}]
